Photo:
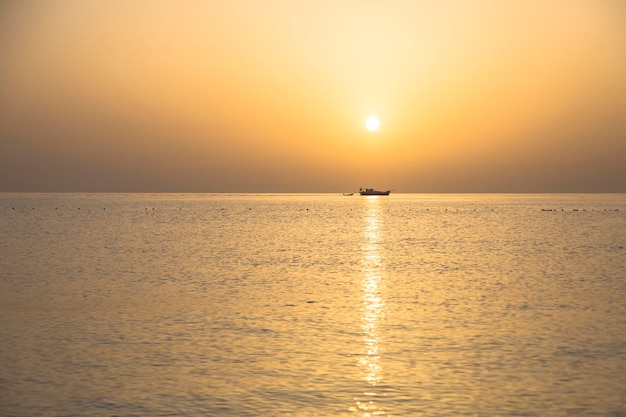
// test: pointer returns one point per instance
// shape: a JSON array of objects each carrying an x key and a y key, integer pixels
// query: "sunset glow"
[{"x": 252, "y": 96}]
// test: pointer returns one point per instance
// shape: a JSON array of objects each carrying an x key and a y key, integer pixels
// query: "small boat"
[
  {"x": 371, "y": 191},
  {"x": 348, "y": 194}
]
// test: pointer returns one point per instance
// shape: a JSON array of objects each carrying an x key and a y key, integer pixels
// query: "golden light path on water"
[{"x": 372, "y": 310}]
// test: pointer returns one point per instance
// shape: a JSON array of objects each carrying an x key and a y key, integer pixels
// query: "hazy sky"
[{"x": 272, "y": 95}]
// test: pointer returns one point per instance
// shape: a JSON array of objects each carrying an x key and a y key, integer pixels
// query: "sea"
[{"x": 312, "y": 305}]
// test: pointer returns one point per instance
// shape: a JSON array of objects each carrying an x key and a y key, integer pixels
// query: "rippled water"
[{"x": 324, "y": 305}]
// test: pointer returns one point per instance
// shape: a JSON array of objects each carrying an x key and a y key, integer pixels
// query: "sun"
[{"x": 372, "y": 123}]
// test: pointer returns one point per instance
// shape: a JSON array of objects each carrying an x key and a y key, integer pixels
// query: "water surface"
[{"x": 325, "y": 305}]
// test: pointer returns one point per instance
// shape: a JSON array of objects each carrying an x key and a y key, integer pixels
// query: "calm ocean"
[{"x": 312, "y": 305}]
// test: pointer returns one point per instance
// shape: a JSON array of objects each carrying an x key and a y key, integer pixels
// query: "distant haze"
[{"x": 272, "y": 96}]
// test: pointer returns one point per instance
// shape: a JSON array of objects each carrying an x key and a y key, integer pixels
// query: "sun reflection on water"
[{"x": 372, "y": 310}]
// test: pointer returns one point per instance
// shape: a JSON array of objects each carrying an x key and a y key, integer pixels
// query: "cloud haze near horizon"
[{"x": 251, "y": 96}]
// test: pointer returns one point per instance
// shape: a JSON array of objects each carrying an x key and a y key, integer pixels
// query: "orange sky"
[{"x": 272, "y": 95}]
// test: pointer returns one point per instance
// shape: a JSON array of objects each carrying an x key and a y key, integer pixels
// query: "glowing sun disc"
[{"x": 372, "y": 123}]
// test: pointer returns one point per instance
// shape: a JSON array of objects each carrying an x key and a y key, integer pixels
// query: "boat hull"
[{"x": 370, "y": 191}]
